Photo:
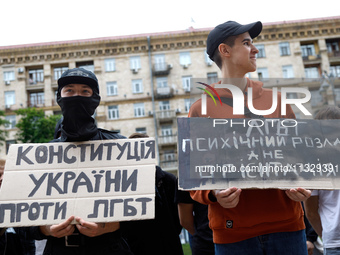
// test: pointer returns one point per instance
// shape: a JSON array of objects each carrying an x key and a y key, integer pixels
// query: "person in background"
[
  {"x": 323, "y": 207},
  {"x": 161, "y": 234},
  {"x": 194, "y": 218},
  {"x": 311, "y": 235}
]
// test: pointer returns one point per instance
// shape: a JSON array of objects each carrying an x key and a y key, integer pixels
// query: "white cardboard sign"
[{"x": 99, "y": 181}]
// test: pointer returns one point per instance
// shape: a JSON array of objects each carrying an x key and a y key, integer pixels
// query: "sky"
[{"x": 37, "y": 21}]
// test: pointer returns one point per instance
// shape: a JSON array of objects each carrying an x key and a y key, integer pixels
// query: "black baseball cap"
[
  {"x": 78, "y": 76},
  {"x": 230, "y": 28}
]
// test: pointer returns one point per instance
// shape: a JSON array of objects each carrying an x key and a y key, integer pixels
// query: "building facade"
[{"x": 145, "y": 80}]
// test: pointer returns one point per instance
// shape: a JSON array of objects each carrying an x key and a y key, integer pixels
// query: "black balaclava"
[{"x": 78, "y": 123}]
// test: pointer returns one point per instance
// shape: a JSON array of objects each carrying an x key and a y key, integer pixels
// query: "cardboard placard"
[
  {"x": 258, "y": 153},
  {"x": 99, "y": 181}
]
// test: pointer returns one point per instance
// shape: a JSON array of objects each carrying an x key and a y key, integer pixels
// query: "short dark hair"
[
  {"x": 230, "y": 41},
  {"x": 329, "y": 112}
]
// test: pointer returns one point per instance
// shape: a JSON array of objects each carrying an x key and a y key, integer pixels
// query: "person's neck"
[{"x": 234, "y": 78}]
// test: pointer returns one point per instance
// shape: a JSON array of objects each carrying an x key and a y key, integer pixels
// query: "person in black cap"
[
  {"x": 249, "y": 221},
  {"x": 78, "y": 98}
]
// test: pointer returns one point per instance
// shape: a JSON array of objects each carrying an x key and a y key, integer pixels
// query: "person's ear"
[{"x": 224, "y": 49}]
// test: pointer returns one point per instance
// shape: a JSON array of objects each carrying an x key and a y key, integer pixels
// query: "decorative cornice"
[{"x": 165, "y": 41}]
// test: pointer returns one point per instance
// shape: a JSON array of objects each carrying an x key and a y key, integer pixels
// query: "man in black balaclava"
[{"x": 78, "y": 97}]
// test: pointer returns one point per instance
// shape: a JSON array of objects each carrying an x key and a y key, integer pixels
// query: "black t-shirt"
[{"x": 202, "y": 241}]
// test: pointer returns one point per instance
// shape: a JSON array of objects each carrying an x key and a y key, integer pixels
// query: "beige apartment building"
[{"x": 145, "y": 79}]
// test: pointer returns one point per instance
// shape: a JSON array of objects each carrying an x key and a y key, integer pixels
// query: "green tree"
[
  {"x": 34, "y": 126},
  {"x": 3, "y": 132}
]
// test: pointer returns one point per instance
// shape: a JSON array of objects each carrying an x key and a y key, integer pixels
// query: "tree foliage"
[
  {"x": 3, "y": 132},
  {"x": 34, "y": 126}
]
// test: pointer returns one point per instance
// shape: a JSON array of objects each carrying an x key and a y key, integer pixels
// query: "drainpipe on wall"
[{"x": 153, "y": 100}]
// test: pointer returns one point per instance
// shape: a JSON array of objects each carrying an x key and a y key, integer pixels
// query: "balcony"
[
  {"x": 165, "y": 92},
  {"x": 36, "y": 104},
  {"x": 9, "y": 107},
  {"x": 334, "y": 56},
  {"x": 312, "y": 59},
  {"x": 167, "y": 140},
  {"x": 34, "y": 85},
  {"x": 160, "y": 69},
  {"x": 169, "y": 165},
  {"x": 36, "y": 100},
  {"x": 165, "y": 115}
]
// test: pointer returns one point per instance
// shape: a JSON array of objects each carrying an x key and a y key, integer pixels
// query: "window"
[
  {"x": 334, "y": 71},
  {"x": 184, "y": 58},
  {"x": 58, "y": 71},
  {"x": 292, "y": 95},
  {"x": 141, "y": 130},
  {"x": 168, "y": 159},
  {"x": 160, "y": 64},
  {"x": 284, "y": 49},
  {"x": 316, "y": 98},
  {"x": 12, "y": 121},
  {"x": 113, "y": 112},
  {"x": 332, "y": 47},
  {"x": 86, "y": 65},
  {"x": 167, "y": 134},
  {"x": 164, "y": 105},
  {"x": 137, "y": 86},
  {"x": 262, "y": 73},
  {"x": 166, "y": 130},
  {"x": 36, "y": 76},
  {"x": 135, "y": 63},
  {"x": 139, "y": 110},
  {"x": 9, "y": 76},
  {"x": 55, "y": 97},
  {"x": 187, "y": 104},
  {"x": 212, "y": 78},
  {"x": 169, "y": 155},
  {"x": 207, "y": 59},
  {"x": 112, "y": 88},
  {"x": 162, "y": 82},
  {"x": 110, "y": 65},
  {"x": 261, "y": 53},
  {"x": 9, "y": 98},
  {"x": 37, "y": 99},
  {"x": 308, "y": 50},
  {"x": 288, "y": 71},
  {"x": 337, "y": 94},
  {"x": 186, "y": 83},
  {"x": 311, "y": 72}
]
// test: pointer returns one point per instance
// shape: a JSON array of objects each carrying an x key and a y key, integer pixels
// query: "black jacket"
[
  {"x": 106, "y": 244},
  {"x": 159, "y": 235}
]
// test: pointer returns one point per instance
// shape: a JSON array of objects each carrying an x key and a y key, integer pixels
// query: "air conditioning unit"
[
  {"x": 185, "y": 66},
  {"x": 20, "y": 70},
  {"x": 170, "y": 66},
  {"x": 178, "y": 110},
  {"x": 7, "y": 83},
  {"x": 209, "y": 63},
  {"x": 150, "y": 113},
  {"x": 135, "y": 70}
]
